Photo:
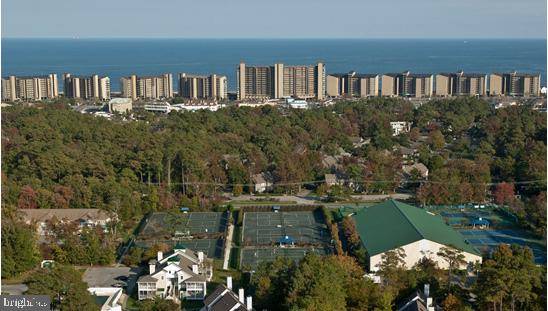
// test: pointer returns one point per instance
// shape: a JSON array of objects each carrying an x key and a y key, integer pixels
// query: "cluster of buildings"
[
  {"x": 86, "y": 87},
  {"x": 30, "y": 88},
  {"x": 83, "y": 217},
  {"x": 95, "y": 87},
  {"x": 278, "y": 81}
]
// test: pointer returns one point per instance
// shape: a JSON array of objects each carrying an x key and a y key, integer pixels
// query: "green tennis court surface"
[
  {"x": 305, "y": 228},
  {"x": 487, "y": 240},
  {"x": 184, "y": 224}
]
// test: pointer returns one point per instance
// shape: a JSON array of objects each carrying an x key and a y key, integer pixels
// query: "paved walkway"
[{"x": 228, "y": 246}]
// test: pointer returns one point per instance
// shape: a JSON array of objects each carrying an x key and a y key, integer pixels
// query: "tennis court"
[
  {"x": 267, "y": 228},
  {"x": 252, "y": 257},
  {"x": 487, "y": 240},
  {"x": 185, "y": 224},
  {"x": 468, "y": 217},
  {"x": 212, "y": 247}
]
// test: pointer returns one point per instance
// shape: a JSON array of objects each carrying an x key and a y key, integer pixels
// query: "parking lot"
[{"x": 124, "y": 277}]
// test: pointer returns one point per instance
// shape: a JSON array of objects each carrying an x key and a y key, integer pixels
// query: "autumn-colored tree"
[
  {"x": 414, "y": 133},
  {"x": 237, "y": 190},
  {"x": 27, "y": 198},
  {"x": 452, "y": 303},
  {"x": 504, "y": 193},
  {"x": 349, "y": 228},
  {"x": 62, "y": 196},
  {"x": 437, "y": 141}
]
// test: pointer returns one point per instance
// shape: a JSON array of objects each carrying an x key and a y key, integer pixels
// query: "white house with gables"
[{"x": 183, "y": 274}]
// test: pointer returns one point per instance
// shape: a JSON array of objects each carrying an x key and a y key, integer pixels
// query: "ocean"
[{"x": 120, "y": 57}]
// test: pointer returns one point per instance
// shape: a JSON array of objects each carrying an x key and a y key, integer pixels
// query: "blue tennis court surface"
[{"x": 486, "y": 241}]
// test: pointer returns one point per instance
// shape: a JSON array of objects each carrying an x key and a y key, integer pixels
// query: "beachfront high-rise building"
[
  {"x": 204, "y": 87},
  {"x": 278, "y": 81},
  {"x": 522, "y": 84},
  {"x": 407, "y": 84},
  {"x": 150, "y": 87},
  {"x": 514, "y": 84},
  {"x": 496, "y": 84},
  {"x": 30, "y": 88},
  {"x": 461, "y": 84},
  {"x": 86, "y": 87},
  {"x": 352, "y": 84}
]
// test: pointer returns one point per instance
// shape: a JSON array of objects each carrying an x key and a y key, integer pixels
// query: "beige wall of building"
[
  {"x": 30, "y": 88},
  {"x": 202, "y": 87},
  {"x": 9, "y": 92},
  {"x": 424, "y": 248},
  {"x": 389, "y": 85},
  {"x": 332, "y": 86},
  {"x": 423, "y": 86},
  {"x": 279, "y": 80},
  {"x": 86, "y": 87},
  {"x": 149, "y": 87},
  {"x": 477, "y": 86},
  {"x": 496, "y": 86},
  {"x": 443, "y": 85},
  {"x": 369, "y": 86}
]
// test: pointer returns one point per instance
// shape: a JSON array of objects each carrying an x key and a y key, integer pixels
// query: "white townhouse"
[{"x": 183, "y": 274}]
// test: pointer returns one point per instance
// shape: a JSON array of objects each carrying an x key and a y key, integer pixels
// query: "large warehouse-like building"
[{"x": 391, "y": 224}]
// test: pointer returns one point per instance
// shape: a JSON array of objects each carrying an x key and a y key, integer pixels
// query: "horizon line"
[{"x": 274, "y": 38}]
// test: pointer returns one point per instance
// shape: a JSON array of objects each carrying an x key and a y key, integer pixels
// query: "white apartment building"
[{"x": 183, "y": 274}]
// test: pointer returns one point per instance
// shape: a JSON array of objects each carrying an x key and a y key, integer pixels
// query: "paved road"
[{"x": 307, "y": 199}]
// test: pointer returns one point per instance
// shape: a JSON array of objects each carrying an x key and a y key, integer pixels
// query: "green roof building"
[{"x": 392, "y": 224}]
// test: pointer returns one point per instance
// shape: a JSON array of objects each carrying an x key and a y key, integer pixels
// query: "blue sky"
[{"x": 275, "y": 18}]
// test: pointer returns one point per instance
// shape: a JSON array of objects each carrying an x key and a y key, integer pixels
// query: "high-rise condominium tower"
[
  {"x": 86, "y": 87},
  {"x": 461, "y": 84},
  {"x": 202, "y": 87},
  {"x": 30, "y": 88},
  {"x": 352, "y": 84},
  {"x": 407, "y": 84},
  {"x": 150, "y": 87},
  {"x": 278, "y": 81}
]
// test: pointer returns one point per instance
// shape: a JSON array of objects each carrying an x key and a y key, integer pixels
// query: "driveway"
[{"x": 14, "y": 289}]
